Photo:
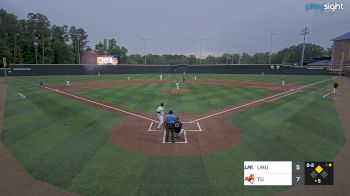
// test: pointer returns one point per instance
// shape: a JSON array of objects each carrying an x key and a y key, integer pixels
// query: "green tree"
[
  {"x": 192, "y": 59},
  {"x": 39, "y": 26},
  {"x": 78, "y": 37},
  {"x": 110, "y": 47},
  {"x": 134, "y": 59}
]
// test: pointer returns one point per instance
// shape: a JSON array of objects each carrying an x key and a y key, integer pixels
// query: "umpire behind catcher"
[{"x": 170, "y": 119}]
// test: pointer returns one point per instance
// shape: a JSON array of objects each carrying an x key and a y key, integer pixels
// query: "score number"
[{"x": 310, "y": 164}]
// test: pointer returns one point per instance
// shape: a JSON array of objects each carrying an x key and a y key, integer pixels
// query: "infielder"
[
  {"x": 160, "y": 113},
  {"x": 177, "y": 85},
  {"x": 67, "y": 82},
  {"x": 283, "y": 82}
]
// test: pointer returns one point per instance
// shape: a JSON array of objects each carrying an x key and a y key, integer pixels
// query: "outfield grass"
[
  {"x": 203, "y": 98},
  {"x": 65, "y": 143},
  {"x": 294, "y": 79}
]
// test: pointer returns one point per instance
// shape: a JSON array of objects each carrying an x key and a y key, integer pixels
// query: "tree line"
[{"x": 35, "y": 40}]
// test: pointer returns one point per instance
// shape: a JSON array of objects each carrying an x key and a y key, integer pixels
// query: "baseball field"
[{"x": 99, "y": 137}]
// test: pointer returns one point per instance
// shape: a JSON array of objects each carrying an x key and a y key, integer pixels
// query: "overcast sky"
[{"x": 174, "y": 26}]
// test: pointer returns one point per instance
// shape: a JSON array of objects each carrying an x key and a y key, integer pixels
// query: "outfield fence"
[{"x": 75, "y": 69}]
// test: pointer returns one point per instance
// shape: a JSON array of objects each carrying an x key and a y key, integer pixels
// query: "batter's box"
[{"x": 187, "y": 126}]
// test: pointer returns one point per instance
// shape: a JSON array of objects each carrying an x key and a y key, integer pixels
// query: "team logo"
[{"x": 250, "y": 178}]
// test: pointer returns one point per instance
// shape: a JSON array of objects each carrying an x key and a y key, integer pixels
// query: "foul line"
[
  {"x": 263, "y": 99},
  {"x": 20, "y": 94},
  {"x": 88, "y": 100},
  {"x": 283, "y": 96},
  {"x": 292, "y": 91},
  {"x": 324, "y": 96}
]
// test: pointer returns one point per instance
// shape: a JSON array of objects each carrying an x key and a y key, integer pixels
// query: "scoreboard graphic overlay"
[{"x": 288, "y": 173}]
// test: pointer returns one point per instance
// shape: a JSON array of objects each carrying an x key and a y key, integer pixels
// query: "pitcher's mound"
[{"x": 175, "y": 91}]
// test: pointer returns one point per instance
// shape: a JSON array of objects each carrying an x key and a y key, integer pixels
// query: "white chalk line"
[
  {"x": 199, "y": 127},
  {"x": 91, "y": 101},
  {"x": 271, "y": 100},
  {"x": 190, "y": 130},
  {"x": 184, "y": 142},
  {"x": 262, "y": 100},
  {"x": 184, "y": 133},
  {"x": 20, "y": 94},
  {"x": 324, "y": 96},
  {"x": 150, "y": 127},
  {"x": 205, "y": 117}
]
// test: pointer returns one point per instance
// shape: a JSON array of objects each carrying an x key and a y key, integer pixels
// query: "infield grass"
[{"x": 147, "y": 97}]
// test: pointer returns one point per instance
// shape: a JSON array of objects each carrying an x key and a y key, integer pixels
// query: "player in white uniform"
[
  {"x": 161, "y": 77},
  {"x": 177, "y": 85},
  {"x": 67, "y": 82},
  {"x": 283, "y": 82},
  {"x": 160, "y": 113}
]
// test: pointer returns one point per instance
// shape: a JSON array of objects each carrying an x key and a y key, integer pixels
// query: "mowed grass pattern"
[
  {"x": 65, "y": 143},
  {"x": 203, "y": 97},
  {"x": 290, "y": 79}
]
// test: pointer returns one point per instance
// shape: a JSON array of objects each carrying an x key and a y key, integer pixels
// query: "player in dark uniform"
[
  {"x": 335, "y": 86},
  {"x": 41, "y": 83},
  {"x": 178, "y": 128}
]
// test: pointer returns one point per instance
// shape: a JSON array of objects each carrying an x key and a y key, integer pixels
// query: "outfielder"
[
  {"x": 41, "y": 83},
  {"x": 161, "y": 77},
  {"x": 160, "y": 113}
]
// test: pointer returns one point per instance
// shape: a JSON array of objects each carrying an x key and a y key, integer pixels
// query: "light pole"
[
  {"x": 78, "y": 46},
  {"x": 78, "y": 50},
  {"x": 232, "y": 58},
  {"x": 305, "y": 31},
  {"x": 270, "y": 53},
  {"x": 43, "y": 48},
  {"x": 200, "y": 50},
  {"x": 36, "y": 52},
  {"x": 15, "y": 49},
  {"x": 19, "y": 54},
  {"x": 144, "y": 48}
]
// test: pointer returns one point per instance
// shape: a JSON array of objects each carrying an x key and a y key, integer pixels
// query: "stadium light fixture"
[
  {"x": 270, "y": 53},
  {"x": 36, "y": 51},
  {"x": 144, "y": 48},
  {"x": 200, "y": 50},
  {"x": 78, "y": 46},
  {"x": 305, "y": 31}
]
